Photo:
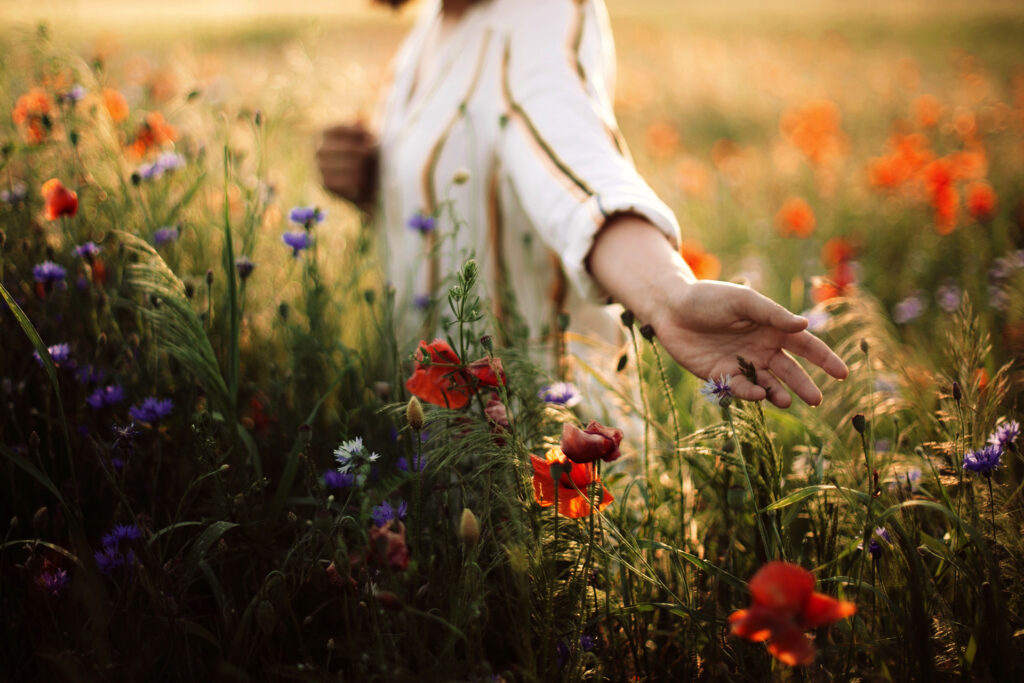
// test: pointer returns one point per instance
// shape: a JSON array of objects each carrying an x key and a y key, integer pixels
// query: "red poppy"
[
  {"x": 387, "y": 545},
  {"x": 981, "y": 200},
  {"x": 116, "y": 104},
  {"x": 587, "y": 445},
  {"x": 572, "y": 485},
  {"x": 705, "y": 265},
  {"x": 784, "y": 606},
  {"x": 152, "y": 134},
  {"x": 59, "y": 200},
  {"x": 443, "y": 381}
]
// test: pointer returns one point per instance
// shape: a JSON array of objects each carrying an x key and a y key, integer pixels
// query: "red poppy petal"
[
  {"x": 543, "y": 485},
  {"x": 488, "y": 371},
  {"x": 782, "y": 586},
  {"x": 822, "y": 609},
  {"x": 755, "y": 624},
  {"x": 572, "y": 504},
  {"x": 792, "y": 647}
]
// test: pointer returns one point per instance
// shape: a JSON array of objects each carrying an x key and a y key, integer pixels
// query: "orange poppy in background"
[
  {"x": 981, "y": 200},
  {"x": 154, "y": 133},
  {"x": 116, "y": 104},
  {"x": 927, "y": 111},
  {"x": 795, "y": 218},
  {"x": 908, "y": 155},
  {"x": 32, "y": 113},
  {"x": 837, "y": 283},
  {"x": 838, "y": 250},
  {"x": 815, "y": 129},
  {"x": 662, "y": 139},
  {"x": 784, "y": 606},
  {"x": 571, "y": 487},
  {"x": 705, "y": 266},
  {"x": 58, "y": 200}
]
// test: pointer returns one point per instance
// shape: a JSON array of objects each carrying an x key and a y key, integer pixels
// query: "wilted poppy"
[
  {"x": 784, "y": 606},
  {"x": 594, "y": 442},
  {"x": 58, "y": 200},
  {"x": 387, "y": 546},
  {"x": 571, "y": 489}
]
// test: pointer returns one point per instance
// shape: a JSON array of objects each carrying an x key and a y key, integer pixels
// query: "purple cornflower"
[
  {"x": 59, "y": 353},
  {"x": 561, "y": 393},
  {"x": 384, "y": 513},
  {"x": 1005, "y": 435},
  {"x": 106, "y": 396},
  {"x": 306, "y": 216},
  {"x": 983, "y": 460},
  {"x": 421, "y": 302},
  {"x": 297, "y": 240},
  {"x": 909, "y": 309},
  {"x": 718, "y": 390},
  {"x": 333, "y": 479},
  {"x": 587, "y": 642},
  {"x": 89, "y": 374},
  {"x": 122, "y": 533},
  {"x": 165, "y": 235},
  {"x": 168, "y": 161},
  {"x": 151, "y": 409},
  {"x": 948, "y": 296},
  {"x": 110, "y": 559},
  {"x": 48, "y": 273},
  {"x": 422, "y": 223},
  {"x": 418, "y": 463},
  {"x": 53, "y": 582},
  {"x": 74, "y": 95},
  {"x": 561, "y": 653},
  {"x": 875, "y": 548},
  {"x": 88, "y": 251},
  {"x": 244, "y": 267},
  {"x": 15, "y": 194}
]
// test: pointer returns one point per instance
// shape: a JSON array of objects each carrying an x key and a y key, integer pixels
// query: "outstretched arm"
[{"x": 706, "y": 324}]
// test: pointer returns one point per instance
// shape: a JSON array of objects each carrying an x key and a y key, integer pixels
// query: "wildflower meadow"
[{"x": 219, "y": 462}]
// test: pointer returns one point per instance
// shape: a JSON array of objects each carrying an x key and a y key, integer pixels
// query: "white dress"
[{"x": 519, "y": 95}]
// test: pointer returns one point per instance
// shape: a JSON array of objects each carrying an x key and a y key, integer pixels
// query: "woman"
[{"x": 498, "y": 140}]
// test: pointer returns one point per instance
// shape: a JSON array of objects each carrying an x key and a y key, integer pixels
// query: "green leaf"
[
  {"x": 202, "y": 544},
  {"x": 808, "y": 491}
]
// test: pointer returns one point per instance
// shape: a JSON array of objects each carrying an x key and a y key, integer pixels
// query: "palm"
[{"x": 717, "y": 322}]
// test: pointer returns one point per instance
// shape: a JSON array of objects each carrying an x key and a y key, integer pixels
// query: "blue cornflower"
[
  {"x": 151, "y": 409},
  {"x": 48, "y": 273},
  {"x": 875, "y": 548},
  {"x": 306, "y": 216},
  {"x": 421, "y": 302},
  {"x": 110, "y": 558},
  {"x": 298, "y": 241},
  {"x": 59, "y": 353},
  {"x": 244, "y": 267},
  {"x": 983, "y": 460},
  {"x": 333, "y": 479},
  {"x": 561, "y": 653},
  {"x": 587, "y": 642},
  {"x": 418, "y": 463},
  {"x": 122, "y": 533},
  {"x": 910, "y": 308},
  {"x": 168, "y": 161},
  {"x": 422, "y": 223},
  {"x": 718, "y": 390},
  {"x": 561, "y": 393},
  {"x": 106, "y": 396},
  {"x": 165, "y": 235},
  {"x": 1005, "y": 435},
  {"x": 53, "y": 582},
  {"x": 88, "y": 251}
]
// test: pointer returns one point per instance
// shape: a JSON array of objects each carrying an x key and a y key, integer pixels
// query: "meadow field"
[{"x": 218, "y": 462}]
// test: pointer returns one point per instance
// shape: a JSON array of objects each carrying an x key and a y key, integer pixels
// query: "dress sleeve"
[{"x": 560, "y": 144}]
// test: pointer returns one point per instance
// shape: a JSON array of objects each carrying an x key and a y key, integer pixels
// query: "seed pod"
[
  {"x": 647, "y": 332},
  {"x": 859, "y": 423},
  {"x": 864, "y": 346},
  {"x": 627, "y": 318},
  {"x": 623, "y": 359},
  {"x": 958, "y": 393}
]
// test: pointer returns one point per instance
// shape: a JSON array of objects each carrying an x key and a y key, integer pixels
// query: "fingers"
[
  {"x": 794, "y": 376},
  {"x": 344, "y": 156},
  {"x": 762, "y": 310},
  {"x": 806, "y": 345},
  {"x": 745, "y": 389}
]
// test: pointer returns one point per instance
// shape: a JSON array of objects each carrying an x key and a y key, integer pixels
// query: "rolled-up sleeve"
[{"x": 559, "y": 145}]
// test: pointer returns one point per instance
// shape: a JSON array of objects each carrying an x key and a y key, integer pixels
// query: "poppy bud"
[
  {"x": 15, "y": 522},
  {"x": 209, "y": 276},
  {"x": 487, "y": 343},
  {"x": 257, "y": 118},
  {"x": 330, "y": 644},
  {"x": 957, "y": 392},
  {"x": 469, "y": 528},
  {"x": 282, "y": 310},
  {"x": 647, "y": 332},
  {"x": 369, "y": 296},
  {"x": 621, "y": 365},
  {"x": 414, "y": 414},
  {"x": 461, "y": 177},
  {"x": 627, "y": 318},
  {"x": 864, "y": 346},
  {"x": 41, "y": 519},
  {"x": 563, "y": 322},
  {"x": 859, "y": 423}
]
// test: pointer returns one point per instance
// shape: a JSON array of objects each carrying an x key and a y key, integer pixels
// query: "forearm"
[{"x": 638, "y": 267}]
